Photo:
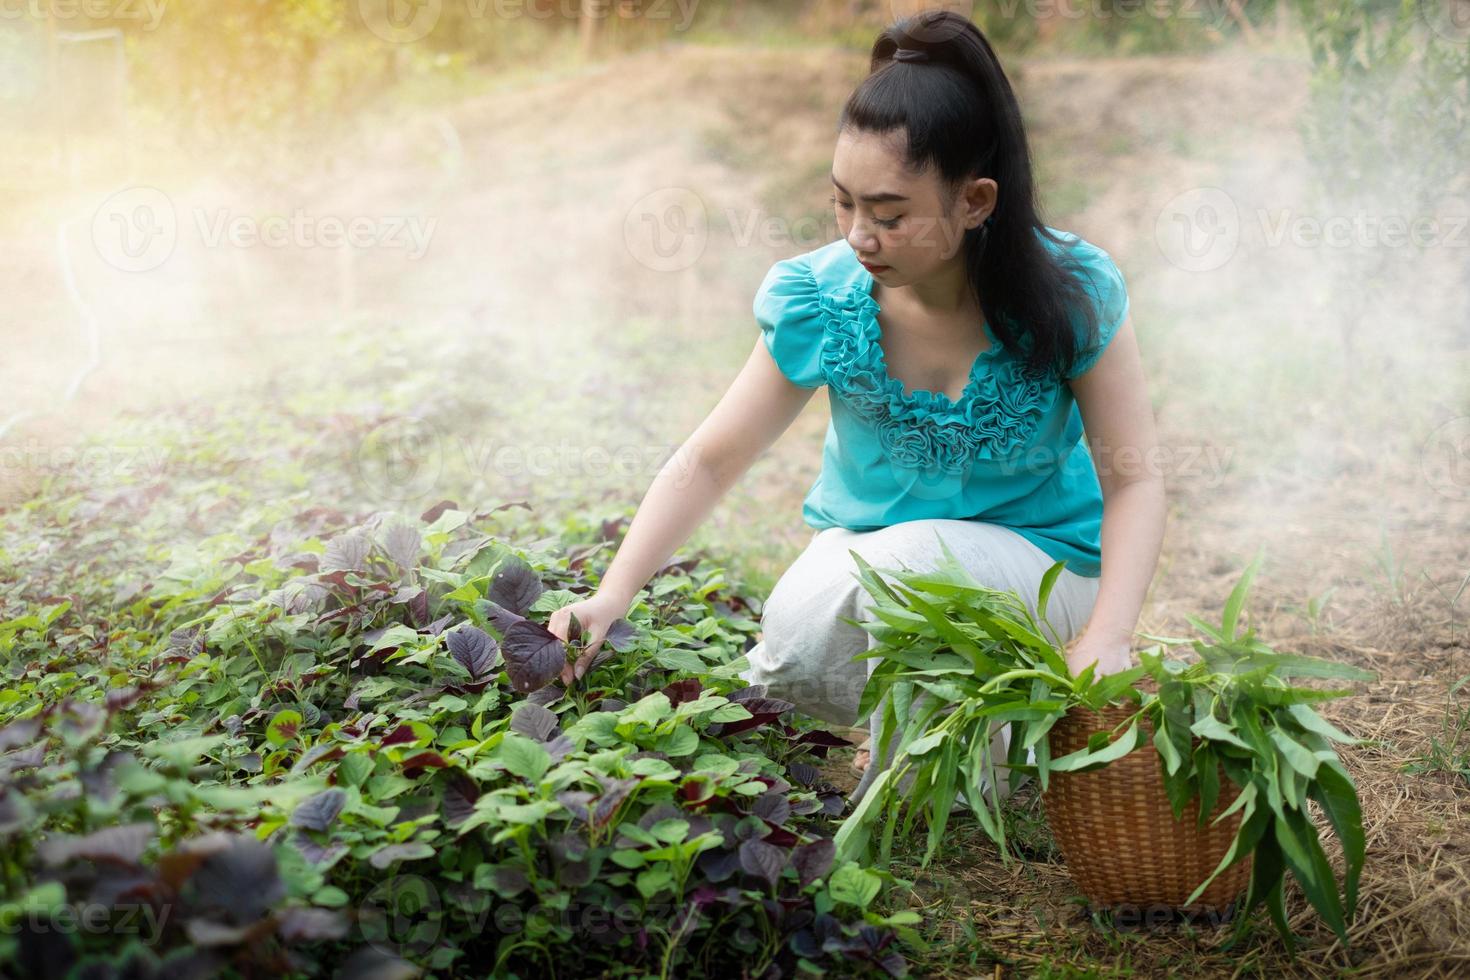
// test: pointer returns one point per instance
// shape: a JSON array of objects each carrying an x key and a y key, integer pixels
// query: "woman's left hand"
[{"x": 1112, "y": 655}]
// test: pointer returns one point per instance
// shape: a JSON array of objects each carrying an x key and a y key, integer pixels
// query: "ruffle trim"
[{"x": 997, "y": 414}]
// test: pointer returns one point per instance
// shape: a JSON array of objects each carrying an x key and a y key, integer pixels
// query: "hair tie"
[{"x": 915, "y": 55}]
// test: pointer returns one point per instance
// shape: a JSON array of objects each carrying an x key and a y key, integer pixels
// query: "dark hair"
[{"x": 947, "y": 90}]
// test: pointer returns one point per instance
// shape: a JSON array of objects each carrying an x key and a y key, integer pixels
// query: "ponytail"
[{"x": 935, "y": 76}]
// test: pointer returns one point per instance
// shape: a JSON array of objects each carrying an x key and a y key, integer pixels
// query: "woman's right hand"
[{"x": 595, "y": 615}]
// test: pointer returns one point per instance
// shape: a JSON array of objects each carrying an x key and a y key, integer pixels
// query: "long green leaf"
[
  {"x": 1314, "y": 722},
  {"x": 1338, "y": 797},
  {"x": 1303, "y": 854},
  {"x": 1236, "y": 602},
  {"x": 1252, "y": 825},
  {"x": 1083, "y": 759},
  {"x": 1297, "y": 755},
  {"x": 1216, "y": 730}
]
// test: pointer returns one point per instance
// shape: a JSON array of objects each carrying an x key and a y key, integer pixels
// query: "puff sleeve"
[
  {"x": 1104, "y": 284},
  {"x": 788, "y": 309}
]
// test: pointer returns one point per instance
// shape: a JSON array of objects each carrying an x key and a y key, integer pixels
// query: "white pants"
[{"x": 806, "y": 652}]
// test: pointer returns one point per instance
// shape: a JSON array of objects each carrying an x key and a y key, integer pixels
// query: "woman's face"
[{"x": 902, "y": 226}]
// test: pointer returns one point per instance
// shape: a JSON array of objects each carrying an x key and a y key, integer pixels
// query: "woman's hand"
[
  {"x": 595, "y": 615},
  {"x": 1113, "y": 655}
]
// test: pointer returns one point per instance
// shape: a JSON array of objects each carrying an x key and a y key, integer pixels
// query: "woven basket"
[{"x": 1118, "y": 834}]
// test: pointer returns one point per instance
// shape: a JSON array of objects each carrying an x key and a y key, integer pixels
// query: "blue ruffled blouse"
[{"x": 1011, "y": 450}]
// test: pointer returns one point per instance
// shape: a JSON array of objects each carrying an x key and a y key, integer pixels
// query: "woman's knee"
[{"x": 806, "y": 654}]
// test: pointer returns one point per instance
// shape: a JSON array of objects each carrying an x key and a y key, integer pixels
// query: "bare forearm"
[
  {"x": 1132, "y": 536},
  {"x": 678, "y": 500}
]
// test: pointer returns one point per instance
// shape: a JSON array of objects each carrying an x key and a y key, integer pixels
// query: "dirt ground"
[{"x": 537, "y": 194}]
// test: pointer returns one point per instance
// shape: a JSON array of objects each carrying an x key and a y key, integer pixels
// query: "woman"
[{"x": 966, "y": 348}]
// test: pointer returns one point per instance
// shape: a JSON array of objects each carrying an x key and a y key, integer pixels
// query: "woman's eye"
[{"x": 890, "y": 223}]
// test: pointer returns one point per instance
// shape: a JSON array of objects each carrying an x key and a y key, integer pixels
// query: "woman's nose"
[{"x": 861, "y": 239}]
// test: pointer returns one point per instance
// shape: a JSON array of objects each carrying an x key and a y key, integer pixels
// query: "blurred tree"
[{"x": 1384, "y": 130}]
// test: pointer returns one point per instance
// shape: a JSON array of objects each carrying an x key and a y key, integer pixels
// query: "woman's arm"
[
  {"x": 1112, "y": 398},
  {"x": 760, "y": 404}
]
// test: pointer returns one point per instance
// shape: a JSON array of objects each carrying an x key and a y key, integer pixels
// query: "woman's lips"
[{"x": 873, "y": 268}]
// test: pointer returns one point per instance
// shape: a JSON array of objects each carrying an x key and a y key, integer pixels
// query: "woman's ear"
[{"x": 978, "y": 200}]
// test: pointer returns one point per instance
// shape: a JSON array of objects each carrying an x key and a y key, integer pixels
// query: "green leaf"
[
  {"x": 651, "y": 881},
  {"x": 1338, "y": 797},
  {"x": 1207, "y": 770},
  {"x": 1044, "y": 592},
  {"x": 1313, "y": 722},
  {"x": 1236, "y": 602},
  {"x": 1252, "y": 825},
  {"x": 1297, "y": 756},
  {"x": 1109, "y": 687},
  {"x": 854, "y": 885},
  {"x": 1084, "y": 759},
  {"x": 1245, "y": 798},
  {"x": 649, "y": 711},
  {"x": 852, "y": 837},
  {"x": 523, "y": 757},
  {"x": 928, "y": 743},
  {"x": 1166, "y": 748},
  {"x": 181, "y": 753},
  {"x": 284, "y": 726},
  {"x": 682, "y": 741},
  {"x": 1303, "y": 854},
  {"x": 354, "y": 769},
  {"x": 1213, "y": 729},
  {"x": 944, "y": 794}
]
